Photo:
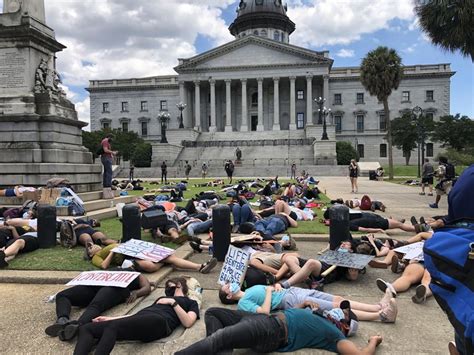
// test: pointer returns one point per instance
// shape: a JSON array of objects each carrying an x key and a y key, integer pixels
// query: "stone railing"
[{"x": 248, "y": 143}]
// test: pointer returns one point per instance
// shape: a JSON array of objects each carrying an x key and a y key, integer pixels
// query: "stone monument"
[{"x": 40, "y": 134}]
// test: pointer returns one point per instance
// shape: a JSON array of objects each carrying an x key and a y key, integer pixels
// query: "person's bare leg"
[
  {"x": 282, "y": 206},
  {"x": 17, "y": 222},
  {"x": 149, "y": 266},
  {"x": 412, "y": 274},
  {"x": 355, "y": 185},
  {"x": 419, "y": 237},
  {"x": 181, "y": 263},
  {"x": 105, "y": 241},
  {"x": 282, "y": 272},
  {"x": 425, "y": 281},
  {"x": 13, "y": 249},
  {"x": 359, "y": 306},
  {"x": 311, "y": 267},
  {"x": 84, "y": 239},
  {"x": 393, "y": 223},
  {"x": 292, "y": 262}
]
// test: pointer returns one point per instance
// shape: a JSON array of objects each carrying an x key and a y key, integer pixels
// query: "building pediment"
[{"x": 253, "y": 51}]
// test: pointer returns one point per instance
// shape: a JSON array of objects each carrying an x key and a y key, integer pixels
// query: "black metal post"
[
  {"x": 181, "y": 125},
  {"x": 325, "y": 134}
]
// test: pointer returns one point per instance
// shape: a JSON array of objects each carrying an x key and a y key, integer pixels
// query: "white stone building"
[{"x": 258, "y": 92}]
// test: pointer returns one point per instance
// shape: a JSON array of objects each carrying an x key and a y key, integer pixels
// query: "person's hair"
[
  {"x": 427, "y": 160},
  {"x": 109, "y": 135},
  {"x": 302, "y": 204},
  {"x": 181, "y": 281},
  {"x": 363, "y": 248},
  {"x": 246, "y": 228},
  {"x": 443, "y": 160},
  {"x": 224, "y": 299}
]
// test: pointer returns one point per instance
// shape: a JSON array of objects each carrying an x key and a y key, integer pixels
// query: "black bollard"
[
  {"x": 221, "y": 231},
  {"x": 131, "y": 226},
  {"x": 46, "y": 226},
  {"x": 339, "y": 227}
]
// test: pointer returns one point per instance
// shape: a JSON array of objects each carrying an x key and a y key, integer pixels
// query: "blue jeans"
[
  {"x": 242, "y": 214},
  {"x": 199, "y": 227},
  {"x": 270, "y": 226},
  {"x": 296, "y": 295},
  {"x": 227, "y": 329},
  {"x": 107, "y": 177}
]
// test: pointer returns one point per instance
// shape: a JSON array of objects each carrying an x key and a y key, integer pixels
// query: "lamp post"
[
  {"x": 323, "y": 113},
  {"x": 417, "y": 118},
  {"x": 164, "y": 118},
  {"x": 181, "y": 106}
]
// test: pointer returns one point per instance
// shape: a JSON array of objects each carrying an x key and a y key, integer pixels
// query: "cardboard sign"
[
  {"x": 412, "y": 251},
  {"x": 235, "y": 266},
  {"x": 104, "y": 278},
  {"x": 350, "y": 260},
  {"x": 143, "y": 250}
]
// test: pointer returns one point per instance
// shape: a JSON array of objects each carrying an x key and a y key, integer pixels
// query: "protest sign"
[
  {"x": 412, "y": 251},
  {"x": 143, "y": 250},
  {"x": 351, "y": 260},
  {"x": 235, "y": 266},
  {"x": 104, "y": 278}
]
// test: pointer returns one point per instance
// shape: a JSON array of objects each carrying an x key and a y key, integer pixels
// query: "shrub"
[
  {"x": 141, "y": 157},
  {"x": 345, "y": 152}
]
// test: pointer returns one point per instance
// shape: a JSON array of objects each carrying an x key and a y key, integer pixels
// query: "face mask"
[
  {"x": 234, "y": 287},
  {"x": 285, "y": 238},
  {"x": 169, "y": 291},
  {"x": 343, "y": 250},
  {"x": 335, "y": 313}
]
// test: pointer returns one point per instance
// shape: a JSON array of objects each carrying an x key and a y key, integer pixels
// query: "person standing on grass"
[
  {"x": 354, "y": 174},
  {"x": 164, "y": 173},
  {"x": 187, "y": 169},
  {"x": 293, "y": 171},
  {"x": 106, "y": 159},
  {"x": 204, "y": 170},
  {"x": 427, "y": 177}
]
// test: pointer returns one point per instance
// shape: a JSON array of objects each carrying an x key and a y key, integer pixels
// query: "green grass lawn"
[
  {"x": 412, "y": 170},
  {"x": 59, "y": 258}
]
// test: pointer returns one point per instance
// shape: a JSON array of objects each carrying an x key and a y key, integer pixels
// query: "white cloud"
[
  {"x": 83, "y": 112},
  {"x": 345, "y": 53},
  {"x": 410, "y": 49},
  {"x": 330, "y": 22}
]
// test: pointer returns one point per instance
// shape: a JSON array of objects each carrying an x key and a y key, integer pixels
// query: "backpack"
[
  {"x": 449, "y": 258},
  {"x": 67, "y": 235},
  {"x": 75, "y": 209},
  {"x": 254, "y": 276},
  {"x": 194, "y": 289},
  {"x": 100, "y": 150},
  {"x": 450, "y": 171},
  {"x": 365, "y": 203}
]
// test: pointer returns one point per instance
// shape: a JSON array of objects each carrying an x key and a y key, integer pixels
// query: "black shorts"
[
  {"x": 369, "y": 221},
  {"x": 31, "y": 243},
  {"x": 427, "y": 180},
  {"x": 302, "y": 261},
  {"x": 85, "y": 230},
  {"x": 170, "y": 225}
]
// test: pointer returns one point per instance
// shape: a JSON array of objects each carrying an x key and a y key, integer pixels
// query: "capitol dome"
[{"x": 264, "y": 18}]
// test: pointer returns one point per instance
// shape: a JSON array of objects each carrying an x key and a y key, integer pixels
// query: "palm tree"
[
  {"x": 380, "y": 73},
  {"x": 449, "y": 24}
]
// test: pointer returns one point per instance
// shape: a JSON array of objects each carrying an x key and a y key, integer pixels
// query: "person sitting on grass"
[
  {"x": 96, "y": 299},
  {"x": 25, "y": 243},
  {"x": 149, "y": 324},
  {"x": 285, "y": 331},
  {"x": 265, "y": 299}
]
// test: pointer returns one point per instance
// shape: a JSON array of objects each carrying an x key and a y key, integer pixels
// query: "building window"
[
  {"x": 429, "y": 149},
  {"x": 125, "y": 126},
  {"x": 144, "y": 128},
  {"x": 125, "y": 106},
  {"x": 337, "y": 99},
  {"x": 429, "y": 95},
  {"x": 255, "y": 99},
  {"x": 144, "y": 106},
  {"x": 300, "y": 120},
  {"x": 258, "y": 2},
  {"x": 300, "y": 95},
  {"x": 383, "y": 150},
  {"x": 360, "y": 123},
  {"x": 255, "y": 33},
  {"x": 263, "y": 33},
  {"x": 429, "y": 115},
  {"x": 163, "y": 105},
  {"x": 105, "y": 126},
  {"x": 105, "y": 107},
  {"x": 360, "y": 98},
  {"x": 382, "y": 122},
  {"x": 405, "y": 96},
  {"x": 360, "y": 150},
  {"x": 276, "y": 36},
  {"x": 338, "y": 123}
]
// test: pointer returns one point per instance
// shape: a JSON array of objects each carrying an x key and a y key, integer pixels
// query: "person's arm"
[
  {"x": 266, "y": 307},
  {"x": 14, "y": 232},
  {"x": 291, "y": 221},
  {"x": 101, "y": 262},
  {"x": 258, "y": 264},
  {"x": 187, "y": 319},
  {"x": 371, "y": 230},
  {"x": 106, "y": 318},
  {"x": 347, "y": 347},
  {"x": 370, "y": 237},
  {"x": 313, "y": 305},
  {"x": 144, "y": 290},
  {"x": 282, "y": 272}
]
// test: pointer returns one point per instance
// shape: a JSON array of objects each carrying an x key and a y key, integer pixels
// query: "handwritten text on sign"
[
  {"x": 143, "y": 250},
  {"x": 412, "y": 251},
  {"x": 104, "y": 278},
  {"x": 235, "y": 266}
]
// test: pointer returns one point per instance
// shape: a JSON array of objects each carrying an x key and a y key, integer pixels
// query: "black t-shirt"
[
  {"x": 167, "y": 311},
  {"x": 6, "y": 235}
]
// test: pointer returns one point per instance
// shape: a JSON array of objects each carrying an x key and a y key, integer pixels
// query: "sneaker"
[
  {"x": 383, "y": 285},
  {"x": 235, "y": 228},
  {"x": 396, "y": 266},
  {"x": 54, "y": 329},
  {"x": 413, "y": 220},
  {"x": 195, "y": 247},
  {"x": 208, "y": 266},
  {"x": 422, "y": 220},
  {"x": 69, "y": 332},
  {"x": 389, "y": 313},
  {"x": 385, "y": 301},
  {"x": 422, "y": 194},
  {"x": 433, "y": 205},
  {"x": 195, "y": 239},
  {"x": 180, "y": 240},
  {"x": 420, "y": 294},
  {"x": 453, "y": 350},
  {"x": 430, "y": 194}
]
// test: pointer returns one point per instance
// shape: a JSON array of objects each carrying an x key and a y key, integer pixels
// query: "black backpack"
[
  {"x": 67, "y": 235},
  {"x": 450, "y": 171},
  {"x": 100, "y": 150}
]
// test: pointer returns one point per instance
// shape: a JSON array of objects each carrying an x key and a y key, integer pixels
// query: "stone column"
[
  {"x": 197, "y": 105},
  {"x": 326, "y": 89},
  {"x": 228, "y": 106},
  {"x": 244, "y": 126},
  {"x": 183, "y": 97},
  {"x": 309, "y": 99},
  {"x": 276, "y": 104},
  {"x": 292, "y": 103},
  {"x": 213, "y": 127},
  {"x": 260, "y": 104}
]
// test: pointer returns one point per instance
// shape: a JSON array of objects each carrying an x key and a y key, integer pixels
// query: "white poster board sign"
[
  {"x": 412, "y": 251},
  {"x": 143, "y": 250},
  {"x": 104, "y": 278},
  {"x": 235, "y": 266}
]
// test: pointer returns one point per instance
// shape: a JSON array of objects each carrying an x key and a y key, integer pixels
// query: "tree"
[
  {"x": 454, "y": 132},
  {"x": 448, "y": 23},
  {"x": 380, "y": 73},
  {"x": 404, "y": 135},
  {"x": 141, "y": 157},
  {"x": 345, "y": 152}
]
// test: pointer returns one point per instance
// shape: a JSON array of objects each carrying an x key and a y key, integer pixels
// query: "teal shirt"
[
  {"x": 306, "y": 330},
  {"x": 255, "y": 296}
]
